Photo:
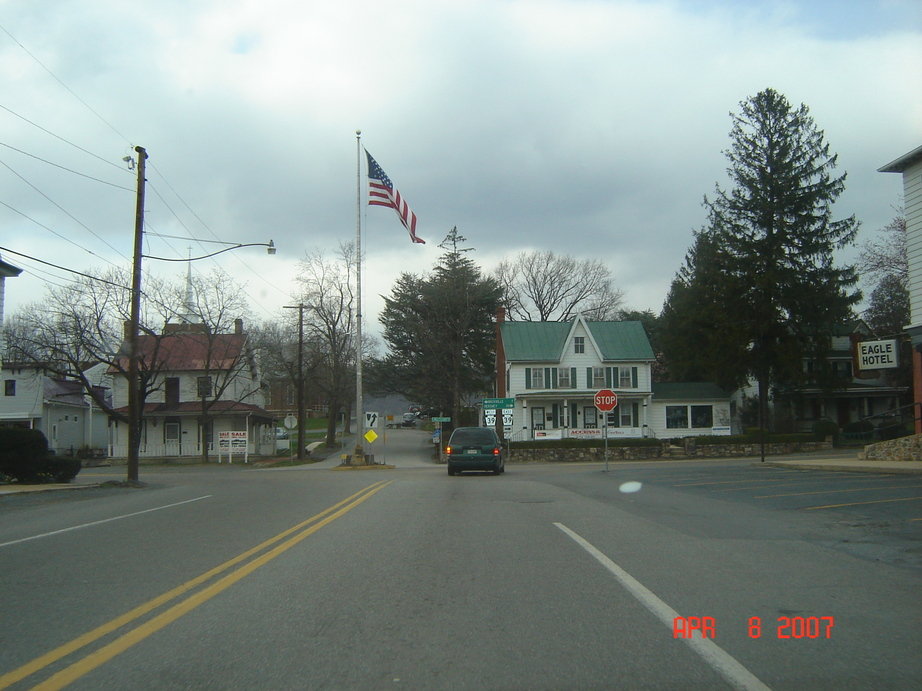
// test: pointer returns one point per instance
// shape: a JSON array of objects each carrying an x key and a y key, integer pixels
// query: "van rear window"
[{"x": 473, "y": 436}]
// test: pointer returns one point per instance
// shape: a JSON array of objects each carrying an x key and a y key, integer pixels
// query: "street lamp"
[{"x": 134, "y": 391}]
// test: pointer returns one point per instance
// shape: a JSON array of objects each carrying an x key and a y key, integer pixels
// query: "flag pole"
[{"x": 358, "y": 457}]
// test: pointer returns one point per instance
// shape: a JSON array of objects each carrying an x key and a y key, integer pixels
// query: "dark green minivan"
[{"x": 474, "y": 448}]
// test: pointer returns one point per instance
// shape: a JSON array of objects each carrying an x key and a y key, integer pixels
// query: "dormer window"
[{"x": 579, "y": 344}]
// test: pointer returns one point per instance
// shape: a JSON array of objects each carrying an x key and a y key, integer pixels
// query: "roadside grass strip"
[{"x": 142, "y": 631}]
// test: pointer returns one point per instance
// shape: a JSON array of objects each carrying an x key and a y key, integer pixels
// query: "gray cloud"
[{"x": 591, "y": 128}]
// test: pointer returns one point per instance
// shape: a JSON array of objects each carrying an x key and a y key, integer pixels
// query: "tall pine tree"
[
  {"x": 776, "y": 231},
  {"x": 440, "y": 332}
]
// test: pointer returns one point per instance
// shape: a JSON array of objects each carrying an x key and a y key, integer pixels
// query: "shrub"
[
  {"x": 24, "y": 457},
  {"x": 61, "y": 469},
  {"x": 825, "y": 428},
  {"x": 582, "y": 443}
]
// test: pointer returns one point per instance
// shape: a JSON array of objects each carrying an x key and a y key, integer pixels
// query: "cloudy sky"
[{"x": 588, "y": 127}]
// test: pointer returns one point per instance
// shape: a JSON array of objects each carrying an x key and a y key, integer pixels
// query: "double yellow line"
[{"x": 142, "y": 631}]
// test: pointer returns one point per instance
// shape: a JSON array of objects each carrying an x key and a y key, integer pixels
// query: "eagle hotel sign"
[{"x": 877, "y": 354}]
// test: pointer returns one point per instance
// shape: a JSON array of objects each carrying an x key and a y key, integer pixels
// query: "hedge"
[{"x": 24, "y": 457}]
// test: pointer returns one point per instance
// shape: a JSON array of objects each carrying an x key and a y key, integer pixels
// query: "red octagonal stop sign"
[{"x": 606, "y": 400}]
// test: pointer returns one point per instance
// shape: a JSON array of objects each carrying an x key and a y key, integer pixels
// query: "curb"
[{"x": 844, "y": 468}]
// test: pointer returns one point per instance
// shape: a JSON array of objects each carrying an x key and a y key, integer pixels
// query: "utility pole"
[
  {"x": 134, "y": 384},
  {"x": 300, "y": 308}
]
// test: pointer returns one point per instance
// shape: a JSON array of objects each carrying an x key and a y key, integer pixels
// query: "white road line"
[
  {"x": 105, "y": 520},
  {"x": 726, "y": 665}
]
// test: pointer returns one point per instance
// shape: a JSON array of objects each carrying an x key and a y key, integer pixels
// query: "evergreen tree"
[
  {"x": 440, "y": 332},
  {"x": 776, "y": 231},
  {"x": 700, "y": 333}
]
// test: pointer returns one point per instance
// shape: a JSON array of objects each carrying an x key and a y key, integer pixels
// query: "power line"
[
  {"x": 69, "y": 170},
  {"x": 74, "y": 218},
  {"x": 62, "y": 268},
  {"x": 67, "y": 88},
  {"x": 63, "y": 139},
  {"x": 52, "y": 231}
]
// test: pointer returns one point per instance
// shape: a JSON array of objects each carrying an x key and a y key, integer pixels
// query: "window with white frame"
[
  {"x": 537, "y": 377},
  {"x": 579, "y": 344},
  {"x": 598, "y": 378},
  {"x": 676, "y": 417},
  {"x": 702, "y": 416},
  {"x": 563, "y": 378},
  {"x": 624, "y": 378}
]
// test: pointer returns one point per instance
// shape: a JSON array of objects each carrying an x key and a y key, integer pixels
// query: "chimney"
[{"x": 238, "y": 326}]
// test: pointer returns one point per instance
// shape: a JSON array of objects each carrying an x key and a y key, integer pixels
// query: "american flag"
[{"x": 381, "y": 192}]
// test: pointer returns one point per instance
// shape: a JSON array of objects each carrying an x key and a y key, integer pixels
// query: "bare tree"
[
  {"x": 82, "y": 324},
  {"x": 543, "y": 286},
  {"x": 329, "y": 326},
  {"x": 885, "y": 254}
]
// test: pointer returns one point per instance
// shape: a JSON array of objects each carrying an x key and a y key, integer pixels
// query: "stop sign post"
[{"x": 606, "y": 400}]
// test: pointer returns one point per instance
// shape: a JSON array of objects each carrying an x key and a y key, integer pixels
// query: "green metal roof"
[
  {"x": 688, "y": 391},
  {"x": 545, "y": 341}
]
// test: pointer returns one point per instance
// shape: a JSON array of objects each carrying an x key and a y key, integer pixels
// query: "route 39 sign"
[{"x": 606, "y": 400}]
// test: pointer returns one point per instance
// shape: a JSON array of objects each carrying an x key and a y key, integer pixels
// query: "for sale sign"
[{"x": 877, "y": 354}]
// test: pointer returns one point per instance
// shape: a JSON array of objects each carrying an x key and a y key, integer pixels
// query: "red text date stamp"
[{"x": 782, "y": 627}]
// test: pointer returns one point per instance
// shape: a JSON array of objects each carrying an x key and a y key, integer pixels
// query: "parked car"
[
  {"x": 474, "y": 448},
  {"x": 409, "y": 419}
]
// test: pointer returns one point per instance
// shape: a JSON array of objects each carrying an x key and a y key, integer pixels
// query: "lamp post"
[{"x": 134, "y": 384}]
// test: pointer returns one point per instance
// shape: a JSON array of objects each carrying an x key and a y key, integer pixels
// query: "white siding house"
[
  {"x": 553, "y": 370},
  {"x": 57, "y": 408},
  {"x": 191, "y": 367},
  {"x": 910, "y": 165}
]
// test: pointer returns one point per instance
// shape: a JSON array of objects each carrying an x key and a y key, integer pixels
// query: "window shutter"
[
  {"x": 552, "y": 384},
  {"x": 635, "y": 414},
  {"x": 588, "y": 378},
  {"x": 634, "y": 377},
  {"x": 608, "y": 377},
  {"x": 528, "y": 377},
  {"x": 572, "y": 377}
]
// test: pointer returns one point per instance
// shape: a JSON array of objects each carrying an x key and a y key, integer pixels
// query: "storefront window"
[
  {"x": 676, "y": 417},
  {"x": 702, "y": 416}
]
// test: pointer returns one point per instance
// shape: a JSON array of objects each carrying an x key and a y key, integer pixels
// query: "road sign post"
[{"x": 605, "y": 401}]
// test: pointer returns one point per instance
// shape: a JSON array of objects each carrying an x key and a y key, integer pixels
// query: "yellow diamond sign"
[{"x": 370, "y": 436}]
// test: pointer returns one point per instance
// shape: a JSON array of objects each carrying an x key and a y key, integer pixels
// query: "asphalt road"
[{"x": 548, "y": 577}]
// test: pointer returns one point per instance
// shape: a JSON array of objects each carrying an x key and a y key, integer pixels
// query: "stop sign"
[{"x": 606, "y": 400}]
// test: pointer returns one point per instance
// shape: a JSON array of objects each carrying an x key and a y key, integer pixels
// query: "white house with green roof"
[{"x": 552, "y": 371}]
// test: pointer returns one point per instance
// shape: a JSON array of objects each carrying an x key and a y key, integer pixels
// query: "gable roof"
[
  {"x": 188, "y": 351},
  {"x": 545, "y": 341}
]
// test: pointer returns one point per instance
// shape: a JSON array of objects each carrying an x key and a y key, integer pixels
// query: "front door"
[{"x": 537, "y": 418}]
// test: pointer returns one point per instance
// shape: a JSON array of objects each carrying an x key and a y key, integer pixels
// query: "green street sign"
[
  {"x": 441, "y": 419},
  {"x": 498, "y": 403}
]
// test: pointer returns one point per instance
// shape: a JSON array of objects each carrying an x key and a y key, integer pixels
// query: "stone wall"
[
  {"x": 690, "y": 449},
  {"x": 902, "y": 449}
]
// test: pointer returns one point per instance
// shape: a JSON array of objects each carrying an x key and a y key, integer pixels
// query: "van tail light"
[
  {"x": 448, "y": 450},
  {"x": 496, "y": 451}
]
